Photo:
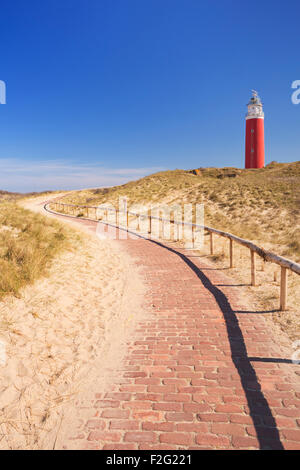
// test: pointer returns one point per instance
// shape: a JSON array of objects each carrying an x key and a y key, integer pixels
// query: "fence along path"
[{"x": 268, "y": 256}]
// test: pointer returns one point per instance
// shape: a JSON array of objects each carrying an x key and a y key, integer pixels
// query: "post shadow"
[{"x": 276, "y": 360}]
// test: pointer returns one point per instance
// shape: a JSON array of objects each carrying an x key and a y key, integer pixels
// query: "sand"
[{"x": 64, "y": 338}]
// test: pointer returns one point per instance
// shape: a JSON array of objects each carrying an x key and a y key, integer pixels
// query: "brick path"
[{"x": 200, "y": 372}]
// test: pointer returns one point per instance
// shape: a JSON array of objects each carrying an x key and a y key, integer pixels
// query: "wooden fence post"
[
  {"x": 175, "y": 234},
  {"x": 150, "y": 224},
  {"x": 231, "y": 252},
  {"x": 253, "y": 273},
  {"x": 211, "y": 243},
  {"x": 283, "y": 288}
]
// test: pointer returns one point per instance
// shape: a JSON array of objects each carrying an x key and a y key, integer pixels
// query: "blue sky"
[{"x": 100, "y": 92}]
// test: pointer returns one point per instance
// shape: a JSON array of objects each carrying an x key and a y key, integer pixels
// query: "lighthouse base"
[{"x": 255, "y": 148}]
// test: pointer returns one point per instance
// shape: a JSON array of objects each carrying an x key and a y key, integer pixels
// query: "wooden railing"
[{"x": 284, "y": 263}]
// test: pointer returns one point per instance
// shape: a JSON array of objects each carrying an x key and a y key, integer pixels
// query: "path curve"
[{"x": 200, "y": 372}]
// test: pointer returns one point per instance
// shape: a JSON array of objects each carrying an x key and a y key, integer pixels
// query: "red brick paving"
[{"x": 195, "y": 374}]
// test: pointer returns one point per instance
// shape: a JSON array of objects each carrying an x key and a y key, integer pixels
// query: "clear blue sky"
[{"x": 103, "y": 91}]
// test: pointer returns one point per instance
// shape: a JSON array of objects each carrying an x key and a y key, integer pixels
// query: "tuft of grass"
[{"x": 28, "y": 243}]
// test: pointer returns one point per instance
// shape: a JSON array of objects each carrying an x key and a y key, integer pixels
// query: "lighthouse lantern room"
[{"x": 255, "y": 148}]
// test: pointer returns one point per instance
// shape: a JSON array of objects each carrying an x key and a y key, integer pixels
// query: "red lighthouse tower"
[{"x": 255, "y": 147}]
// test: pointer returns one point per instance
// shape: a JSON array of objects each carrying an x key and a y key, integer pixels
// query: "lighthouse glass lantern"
[{"x": 255, "y": 147}]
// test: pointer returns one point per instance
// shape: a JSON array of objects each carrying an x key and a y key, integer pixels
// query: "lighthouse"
[{"x": 255, "y": 147}]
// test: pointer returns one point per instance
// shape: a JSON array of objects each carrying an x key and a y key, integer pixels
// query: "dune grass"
[
  {"x": 260, "y": 205},
  {"x": 28, "y": 243}
]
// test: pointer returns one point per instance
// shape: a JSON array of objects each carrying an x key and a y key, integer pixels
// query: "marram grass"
[{"x": 28, "y": 244}]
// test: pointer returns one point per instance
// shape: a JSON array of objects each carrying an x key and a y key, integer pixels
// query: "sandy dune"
[{"x": 64, "y": 337}]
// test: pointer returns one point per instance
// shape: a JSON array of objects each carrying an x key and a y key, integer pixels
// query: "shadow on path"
[
  {"x": 257, "y": 312},
  {"x": 259, "y": 409},
  {"x": 277, "y": 360}
]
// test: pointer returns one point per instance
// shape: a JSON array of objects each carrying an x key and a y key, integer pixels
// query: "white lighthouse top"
[{"x": 255, "y": 108}]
